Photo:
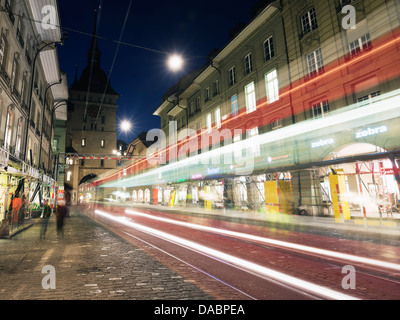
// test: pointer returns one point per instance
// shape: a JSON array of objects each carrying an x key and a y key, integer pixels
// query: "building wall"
[
  {"x": 343, "y": 80},
  {"x": 99, "y": 131},
  {"x": 22, "y": 132}
]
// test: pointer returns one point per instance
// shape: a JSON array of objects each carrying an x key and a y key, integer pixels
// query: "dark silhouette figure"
[
  {"x": 61, "y": 213},
  {"x": 44, "y": 219}
]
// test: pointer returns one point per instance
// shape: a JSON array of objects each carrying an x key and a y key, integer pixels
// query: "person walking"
[
  {"x": 61, "y": 213},
  {"x": 44, "y": 219}
]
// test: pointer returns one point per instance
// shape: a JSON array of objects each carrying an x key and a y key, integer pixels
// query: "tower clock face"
[{"x": 93, "y": 111}]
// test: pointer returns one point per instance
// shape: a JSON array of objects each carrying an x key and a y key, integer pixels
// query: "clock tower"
[{"x": 92, "y": 122}]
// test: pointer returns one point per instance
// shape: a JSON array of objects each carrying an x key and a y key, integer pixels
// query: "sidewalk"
[
  {"x": 385, "y": 226},
  {"x": 92, "y": 263}
]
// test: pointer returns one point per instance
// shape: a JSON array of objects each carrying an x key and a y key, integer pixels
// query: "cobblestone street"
[{"x": 90, "y": 263}]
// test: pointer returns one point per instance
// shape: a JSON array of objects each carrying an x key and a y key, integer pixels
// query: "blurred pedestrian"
[
  {"x": 61, "y": 213},
  {"x": 44, "y": 219}
]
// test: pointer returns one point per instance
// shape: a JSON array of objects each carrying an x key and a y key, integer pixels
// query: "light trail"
[
  {"x": 336, "y": 69},
  {"x": 346, "y": 118},
  {"x": 241, "y": 263},
  {"x": 279, "y": 243},
  {"x": 190, "y": 265}
]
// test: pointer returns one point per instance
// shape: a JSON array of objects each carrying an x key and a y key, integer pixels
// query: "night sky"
[{"x": 140, "y": 75}]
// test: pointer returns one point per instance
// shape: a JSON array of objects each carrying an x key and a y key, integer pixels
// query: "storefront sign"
[
  {"x": 197, "y": 176},
  {"x": 370, "y": 132},
  {"x": 212, "y": 170},
  {"x": 322, "y": 142}
]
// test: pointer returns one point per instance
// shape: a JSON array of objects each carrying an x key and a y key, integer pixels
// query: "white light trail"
[
  {"x": 253, "y": 267},
  {"x": 280, "y": 243}
]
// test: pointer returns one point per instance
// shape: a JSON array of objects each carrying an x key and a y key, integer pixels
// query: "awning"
[{"x": 48, "y": 25}]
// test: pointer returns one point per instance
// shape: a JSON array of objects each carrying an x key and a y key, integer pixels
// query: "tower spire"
[{"x": 94, "y": 53}]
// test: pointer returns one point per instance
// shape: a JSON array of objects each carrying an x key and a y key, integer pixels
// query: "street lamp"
[
  {"x": 30, "y": 95},
  {"x": 175, "y": 62},
  {"x": 52, "y": 124},
  {"x": 45, "y": 102},
  {"x": 126, "y": 125}
]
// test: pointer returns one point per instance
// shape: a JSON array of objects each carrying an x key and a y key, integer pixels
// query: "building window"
[
  {"x": 14, "y": 73},
  {"x": 216, "y": 87},
  {"x": 103, "y": 119},
  {"x": 207, "y": 94},
  {"x": 102, "y": 143},
  {"x": 232, "y": 76},
  {"x": 209, "y": 122},
  {"x": 234, "y": 104},
  {"x": 83, "y": 142},
  {"x": 237, "y": 152},
  {"x": 198, "y": 106},
  {"x": 69, "y": 173},
  {"x": 248, "y": 64},
  {"x": 256, "y": 146},
  {"x": 361, "y": 44},
  {"x": 309, "y": 21},
  {"x": 369, "y": 98},
  {"x": 272, "y": 86},
  {"x": 217, "y": 114},
  {"x": 102, "y": 163},
  {"x": 2, "y": 49},
  {"x": 82, "y": 163},
  {"x": 315, "y": 64},
  {"x": 250, "y": 97},
  {"x": 320, "y": 110},
  {"x": 8, "y": 132},
  {"x": 191, "y": 108},
  {"x": 276, "y": 124},
  {"x": 269, "y": 48},
  {"x": 18, "y": 138}
]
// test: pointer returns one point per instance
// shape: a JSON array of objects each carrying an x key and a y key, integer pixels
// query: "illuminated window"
[
  {"x": 209, "y": 122},
  {"x": 69, "y": 173},
  {"x": 256, "y": 146},
  {"x": 250, "y": 97},
  {"x": 217, "y": 114},
  {"x": 234, "y": 104},
  {"x": 83, "y": 142},
  {"x": 237, "y": 151},
  {"x": 315, "y": 64},
  {"x": 271, "y": 81},
  {"x": 102, "y": 143},
  {"x": 8, "y": 131}
]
